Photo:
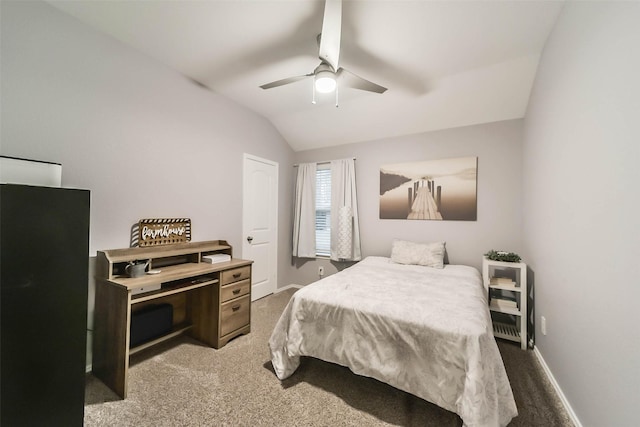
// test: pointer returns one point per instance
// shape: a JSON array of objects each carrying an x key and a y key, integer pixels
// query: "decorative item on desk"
[
  {"x": 503, "y": 256},
  {"x": 136, "y": 268},
  {"x": 161, "y": 231}
]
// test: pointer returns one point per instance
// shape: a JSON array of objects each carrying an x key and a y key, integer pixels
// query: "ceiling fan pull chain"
[{"x": 336, "y": 96}]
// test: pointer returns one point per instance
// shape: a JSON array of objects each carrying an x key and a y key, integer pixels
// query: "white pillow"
[{"x": 427, "y": 254}]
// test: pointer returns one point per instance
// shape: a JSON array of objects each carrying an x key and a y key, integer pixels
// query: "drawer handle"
[
  {"x": 236, "y": 275},
  {"x": 235, "y": 307},
  {"x": 236, "y": 291}
]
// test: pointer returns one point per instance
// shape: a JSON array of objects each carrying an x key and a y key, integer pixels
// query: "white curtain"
[
  {"x": 304, "y": 216},
  {"x": 345, "y": 231}
]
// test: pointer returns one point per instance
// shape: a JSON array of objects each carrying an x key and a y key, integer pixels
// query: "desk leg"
[
  {"x": 204, "y": 314},
  {"x": 111, "y": 336}
]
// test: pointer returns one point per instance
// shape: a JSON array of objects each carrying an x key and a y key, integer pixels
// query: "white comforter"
[{"x": 423, "y": 330}]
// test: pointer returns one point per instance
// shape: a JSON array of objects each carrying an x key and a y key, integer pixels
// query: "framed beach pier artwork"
[{"x": 443, "y": 189}]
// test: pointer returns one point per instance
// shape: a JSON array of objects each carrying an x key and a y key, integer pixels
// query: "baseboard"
[
  {"x": 556, "y": 386},
  {"x": 286, "y": 288}
]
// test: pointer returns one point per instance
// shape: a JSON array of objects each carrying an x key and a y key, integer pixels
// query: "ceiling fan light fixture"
[{"x": 325, "y": 81}]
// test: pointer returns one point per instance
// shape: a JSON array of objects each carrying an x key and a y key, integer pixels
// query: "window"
[{"x": 323, "y": 210}]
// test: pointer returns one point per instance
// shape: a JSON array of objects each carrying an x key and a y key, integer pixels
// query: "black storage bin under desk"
[{"x": 150, "y": 322}]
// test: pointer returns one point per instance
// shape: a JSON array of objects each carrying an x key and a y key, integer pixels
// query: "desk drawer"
[
  {"x": 235, "y": 274},
  {"x": 235, "y": 290},
  {"x": 234, "y": 314}
]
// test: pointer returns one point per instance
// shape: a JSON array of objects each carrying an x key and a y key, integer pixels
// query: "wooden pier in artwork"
[{"x": 422, "y": 203}]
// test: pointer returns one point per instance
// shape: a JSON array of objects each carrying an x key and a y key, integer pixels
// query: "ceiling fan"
[{"x": 327, "y": 75}]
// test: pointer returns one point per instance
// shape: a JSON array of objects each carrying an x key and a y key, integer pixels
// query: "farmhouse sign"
[{"x": 163, "y": 231}]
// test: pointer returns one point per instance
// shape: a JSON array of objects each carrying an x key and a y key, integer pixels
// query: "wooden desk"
[{"x": 211, "y": 302}]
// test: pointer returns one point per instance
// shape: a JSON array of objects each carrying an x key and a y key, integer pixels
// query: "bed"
[{"x": 423, "y": 330}]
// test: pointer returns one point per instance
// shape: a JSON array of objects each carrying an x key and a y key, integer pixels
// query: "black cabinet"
[{"x": 44, "y": 237}]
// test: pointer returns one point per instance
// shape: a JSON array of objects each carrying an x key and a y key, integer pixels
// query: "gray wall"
[
  {"x": 498, "y": 148},
  {"x": 145, "y": 140},
  {"x": 581, "y": 154}
]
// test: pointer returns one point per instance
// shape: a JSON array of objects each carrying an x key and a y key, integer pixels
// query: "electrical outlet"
[
  {"x": 321, "y": 271},
  {"x": 543, "y": 325}
]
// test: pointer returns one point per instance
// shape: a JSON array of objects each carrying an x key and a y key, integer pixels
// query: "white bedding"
[{"x": 423, "y": 330}]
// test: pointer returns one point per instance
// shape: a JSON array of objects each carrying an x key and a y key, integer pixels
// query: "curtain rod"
[{"x": 321, "y": 163}]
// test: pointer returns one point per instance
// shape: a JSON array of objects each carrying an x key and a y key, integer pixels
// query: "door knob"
[{"x": 249, "y": 239}]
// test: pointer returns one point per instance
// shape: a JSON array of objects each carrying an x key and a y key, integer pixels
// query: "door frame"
[{"x": 245, "y": 245}]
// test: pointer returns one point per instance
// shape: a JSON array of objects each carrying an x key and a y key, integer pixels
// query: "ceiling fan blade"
[
  {"x": 347, "y": 78},
  {"x": 285, "y": 81},
  {"x": 331, "y": 30}
]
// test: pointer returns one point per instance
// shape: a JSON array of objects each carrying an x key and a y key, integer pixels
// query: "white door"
[{"x": 260, "y": 223}]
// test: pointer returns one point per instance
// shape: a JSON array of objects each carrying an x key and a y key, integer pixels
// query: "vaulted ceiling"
[{"x": 445, "y": 63}]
